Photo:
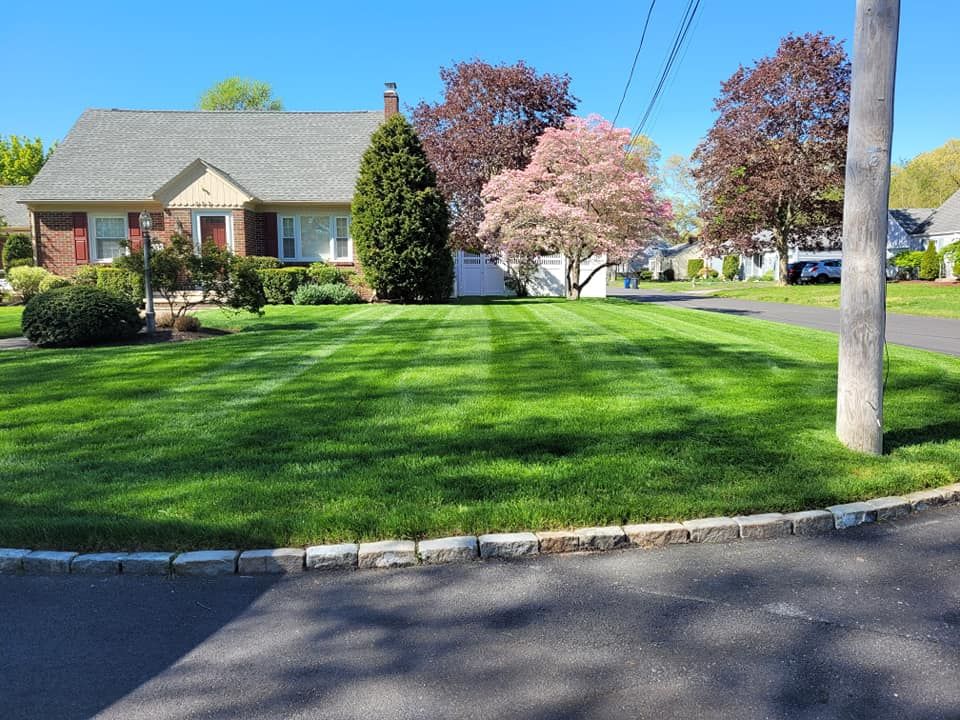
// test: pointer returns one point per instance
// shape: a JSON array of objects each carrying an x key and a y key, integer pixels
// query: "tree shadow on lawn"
[
  {"x": 787, "y": 628},
  {"x": 363, "y": 456}
]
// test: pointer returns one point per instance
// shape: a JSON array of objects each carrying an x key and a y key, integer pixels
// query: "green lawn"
[
  {"x": 350, "y": 423},
  {"x": 10, "y": 321},
  {"x": 933, "y": 299}
]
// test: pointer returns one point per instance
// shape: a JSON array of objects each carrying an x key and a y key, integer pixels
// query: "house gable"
[{"x": 201, "y": 185}]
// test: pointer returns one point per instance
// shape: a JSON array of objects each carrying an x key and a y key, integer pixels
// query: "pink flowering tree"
[{"x": 576, "y": 198}]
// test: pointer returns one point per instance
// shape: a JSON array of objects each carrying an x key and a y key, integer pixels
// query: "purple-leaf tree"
[
  {"x": 770, "y": 171},
  {"x": 577, "y": 198}
]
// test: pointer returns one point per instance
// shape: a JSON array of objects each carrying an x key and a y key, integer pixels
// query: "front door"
[{"x": 214, "y": 227}]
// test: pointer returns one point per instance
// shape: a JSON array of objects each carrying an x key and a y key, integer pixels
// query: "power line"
[
  {"x": 636, "y": 57},
  {"x": 685, "y": 22}
]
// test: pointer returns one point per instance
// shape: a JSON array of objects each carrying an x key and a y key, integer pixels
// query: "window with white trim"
[
  {"x": 341, "y": 238},
  {"x": 314, "y": 237},
  {"x": 288, "y": 238},
  {"x": 108, "y": 237}
]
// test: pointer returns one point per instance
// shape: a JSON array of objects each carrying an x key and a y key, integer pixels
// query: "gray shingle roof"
[
  {"x": 13, "y": 214},
  {"x": 912, "y": 220},
  {"x": 276, "y": 156},
  {"x": 946, "y": 218}
]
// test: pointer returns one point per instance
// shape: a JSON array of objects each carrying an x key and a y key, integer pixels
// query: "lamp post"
[{"x": 145, "y": 225}]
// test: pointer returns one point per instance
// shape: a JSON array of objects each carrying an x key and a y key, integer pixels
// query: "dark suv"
[{"x": 794, "y": 271}]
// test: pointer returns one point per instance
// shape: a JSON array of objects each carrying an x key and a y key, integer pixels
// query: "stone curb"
[{"x": 468, "y": 548}]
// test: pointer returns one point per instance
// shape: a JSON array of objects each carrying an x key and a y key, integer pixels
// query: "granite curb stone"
[
  {"x": 558, "y": 541},
  {"x": 206, "y": 563},
  {"x": 332, "y": 557},
  {"x": 650, "y": 535},
  {"x": 712, "y": 530},
  {"x": 271, "y": 562},
  {"x": 852, "y": 514},
  {"x": 147, "y": 563},
  {"x": 509, "y": 545},
  {"x": 602, "y": 538},
  {"x": 387, "y": 554},
  {"x": 812, "y": 522},
  {"x": 48, "y": 561},
  {"x": 11, "y": 560},
  {"x": 461, "y": 548},
  {"x": 764, "y": 526},
  {"x": 106, "y": 563},
  {"x": 890, "y": 508}
]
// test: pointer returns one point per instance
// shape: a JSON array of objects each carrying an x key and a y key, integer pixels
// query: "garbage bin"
[
  {"x": 636, "y": 283},
  {"x": 626, "y": 283}
]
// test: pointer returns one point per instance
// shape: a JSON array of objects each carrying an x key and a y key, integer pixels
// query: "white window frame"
[
  {"x": 195, "y": 221},
  {"x": 297, "y": 242},
  {"x": 92, "y": 234}
]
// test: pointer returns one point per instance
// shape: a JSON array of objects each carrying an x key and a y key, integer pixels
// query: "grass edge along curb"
[{"x": 468, "y": 548}]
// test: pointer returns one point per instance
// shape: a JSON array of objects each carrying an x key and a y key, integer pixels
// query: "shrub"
[
  {"x": 79, "y": 315},
  {"x": 260, "y": 262},
  {"x": 121, "y": 281},
  {"x": 87, "y": 275},
  {"x": 17, "y": 252},
  {"x": 930, "y": 263},
  {"x": 328, "y": 294},
  {"x": 708, "y": 273},
  {"x": 163, "y": 320},
  {"x": 186, "y": 323},
  {"x": 279, "y": 284},
  {"x": 644, "y": 275},
  {"x": 51, "y": 282},
  {"x": 694, "y": 266},
  {"x": 323, "y": 274},
  {"x": 731, "y": 266},
  {"x": 400, "y": 220},
  {"x": 767, "y": 277},
  {"x": 26, "y": 280}
]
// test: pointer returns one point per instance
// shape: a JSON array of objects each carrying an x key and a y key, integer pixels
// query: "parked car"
[
  {"x": 822, "y": 271},
  {"x": 794, "y": 271}
]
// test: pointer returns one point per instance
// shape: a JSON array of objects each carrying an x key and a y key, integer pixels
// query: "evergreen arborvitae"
[
  {"x": 930, "y": 263},
  {"x": 400, "y": 221}
]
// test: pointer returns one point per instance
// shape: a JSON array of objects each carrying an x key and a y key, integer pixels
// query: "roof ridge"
[{"x": 237, "y": 112}]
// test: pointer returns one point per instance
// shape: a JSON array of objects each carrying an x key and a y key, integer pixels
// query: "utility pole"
[{"x": 863, "y": 292}]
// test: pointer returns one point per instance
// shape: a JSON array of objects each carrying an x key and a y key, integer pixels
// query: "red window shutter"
[
  {"x": 270, "y": 234},
  {"x": 81, "y": 248},
  {"x": 133, "y": 231}
]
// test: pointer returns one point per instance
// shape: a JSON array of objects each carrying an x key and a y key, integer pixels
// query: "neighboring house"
[
  {"x": 478, "y": 274},
  {"x": 15, "y": 215},
  {"x": 641, "y": 260},
  {"x": 675, "y": 257}
]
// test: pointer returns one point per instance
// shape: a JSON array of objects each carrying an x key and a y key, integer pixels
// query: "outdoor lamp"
[
  {"x": 145, "y": 224},
  {"x": 145, "y": 221}
]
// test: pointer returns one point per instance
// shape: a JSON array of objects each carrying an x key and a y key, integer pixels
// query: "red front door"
[{"x": 214, "y": 227}]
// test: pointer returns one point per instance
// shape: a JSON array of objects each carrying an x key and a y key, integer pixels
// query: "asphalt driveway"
[
  {"x": 927, "y": 333},
  {"x": 863, "y": 624}
]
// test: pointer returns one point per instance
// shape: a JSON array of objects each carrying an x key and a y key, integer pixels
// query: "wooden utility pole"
[{"x": 863, "y": 292}]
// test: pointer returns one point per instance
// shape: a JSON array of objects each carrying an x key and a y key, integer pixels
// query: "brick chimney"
[{"x": 391, "y": 101}]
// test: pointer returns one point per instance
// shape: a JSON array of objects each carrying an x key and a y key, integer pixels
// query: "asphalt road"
[
  {"x": 863, "y": 624},
  {"x": 927, "y": 333}
]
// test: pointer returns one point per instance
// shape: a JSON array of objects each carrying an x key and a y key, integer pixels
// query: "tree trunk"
[
  {"x": 782, "y": 245},
  {"x": 573, "y": 278}
]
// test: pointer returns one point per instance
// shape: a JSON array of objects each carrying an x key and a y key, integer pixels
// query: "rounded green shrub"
[
  {"x": 25, "y": 280},
  {"x": 323, "y": 274},
  {"x": 121, "y": 281},
  {"x": 17, "y": 251},
  {"x": 279, "y": 284},
  {"x": 51, "y": 282},
  {"x": 694, "y": 266},
  {"x": 328, "y": 294},
  {"x": 86, "y": 275},
  {"x": 260, "y": 262},
  {"x": 79, "y": 315}
]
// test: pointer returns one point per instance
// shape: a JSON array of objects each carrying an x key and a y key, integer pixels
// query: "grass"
[
  {"x": 912, "y": 298},
  {"x": 318, "y": 424},
  {"x": 10, "y": 321}
]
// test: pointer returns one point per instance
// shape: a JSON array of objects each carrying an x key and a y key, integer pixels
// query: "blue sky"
[{"x": 60, "y": 58}]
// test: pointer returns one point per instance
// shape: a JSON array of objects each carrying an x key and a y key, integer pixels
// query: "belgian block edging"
[{"x": 464, "y": 548}]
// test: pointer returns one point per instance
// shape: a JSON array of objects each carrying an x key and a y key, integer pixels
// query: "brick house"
[{"x": 257, "y": 183}]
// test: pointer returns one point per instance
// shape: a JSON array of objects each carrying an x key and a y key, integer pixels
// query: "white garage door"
[{"x": 479, "y": 274}]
